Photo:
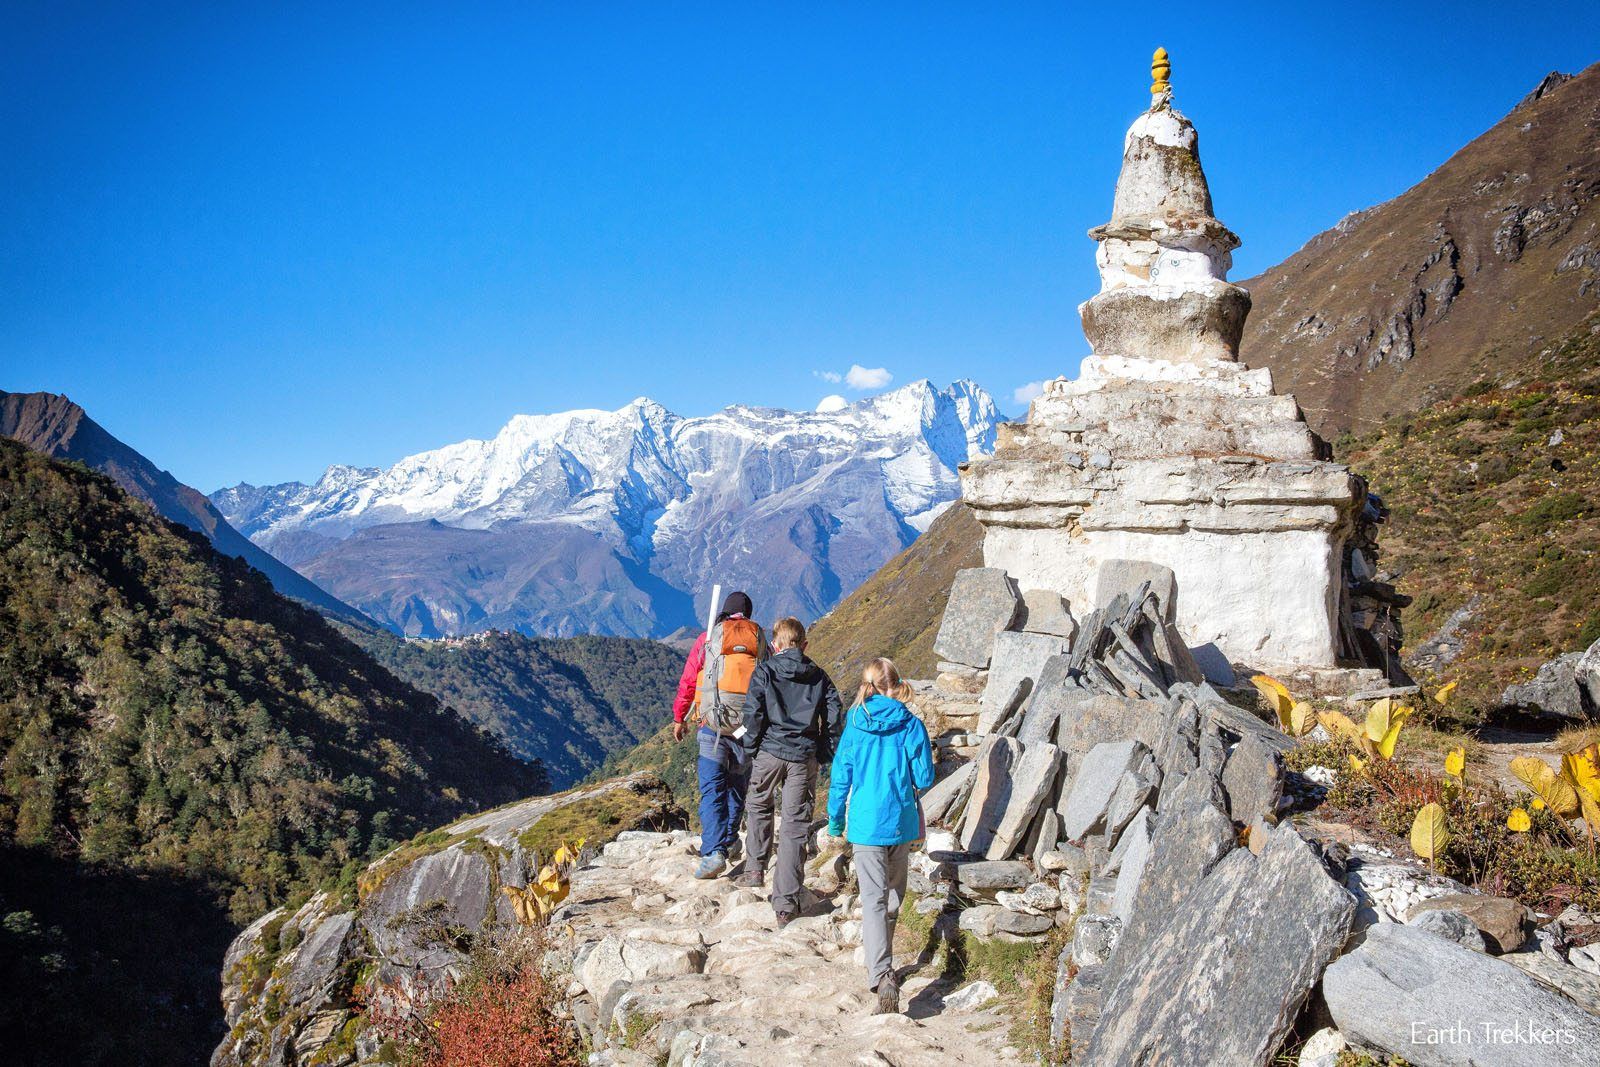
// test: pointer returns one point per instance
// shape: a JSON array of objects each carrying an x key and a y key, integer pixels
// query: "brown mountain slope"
[
  {"x": 54, "y": 425},
  {"x": 1490, "y": 259},
  {"x": 896, "y": 612}
]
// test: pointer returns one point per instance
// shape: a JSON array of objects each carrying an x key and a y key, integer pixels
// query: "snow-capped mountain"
[{"x": 620, "y": 521}]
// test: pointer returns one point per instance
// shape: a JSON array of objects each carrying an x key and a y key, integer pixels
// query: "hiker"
[
  {"x": 792, "y": 722},
  {"x": 884, "y": 760},
  {"x": 714, "y": 683}
]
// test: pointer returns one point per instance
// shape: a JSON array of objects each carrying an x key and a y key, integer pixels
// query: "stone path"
[{"x": 699, "y": 970}]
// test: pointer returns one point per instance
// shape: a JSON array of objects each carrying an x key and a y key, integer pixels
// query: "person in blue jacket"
[{"x": 884, "y": 760}]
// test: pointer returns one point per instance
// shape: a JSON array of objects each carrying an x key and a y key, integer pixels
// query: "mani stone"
[
  {"x": 1084, "y": 809},
  {"x": 1229, "y": 972},
  {"x": 1016, "y": 657},
  {"x": 991, "y": 793},
  {"x": 1504, "y": 923},
  {"x": 1032, "y": 778},
  {"x": 1046, "y": 613},
  {"x": 1125, "y": 576},
  {"x": 983, "y": 602},
  {"x": 1436, "y": 1004},
  {"x": 1253, "y": 779}
]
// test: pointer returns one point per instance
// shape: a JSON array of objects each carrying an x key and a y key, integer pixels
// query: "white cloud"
[
  {"x": 828, "y": 375},
  {"x": 832, "y": 403},
  {"x": 1023, "y": 394},
  {"x": 859, "y": 377}
]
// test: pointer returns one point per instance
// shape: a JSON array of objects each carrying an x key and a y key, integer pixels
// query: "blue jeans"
[{"x": 724, "y": 778}]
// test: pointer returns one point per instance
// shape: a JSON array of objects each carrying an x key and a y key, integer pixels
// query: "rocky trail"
[{"x": 699, "y": 971}]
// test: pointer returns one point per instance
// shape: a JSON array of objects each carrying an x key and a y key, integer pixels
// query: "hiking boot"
[
  {"x": 711, "y": 866},
  {"x": 754, "y": 878},
  {"x": 785, "y": 918},
  {"x": 888, "y": 995},
  {"x": 735, "y": 851}
]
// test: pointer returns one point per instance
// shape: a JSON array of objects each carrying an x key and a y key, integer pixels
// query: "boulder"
[
  {"x": 980, "y": 919},
  {"x": 1555, "y": 690},
  {"x": 1504, "y": 923},
  {"x": 1254, "y": 935},
  {"x": 1436, "y": 1004},
  {"x": 1252, "y": 778},
  {"x": 1017, "y": 657},
  {"x": 983, "y": 602},
  {"x": 991, "y": 792},
  {"x": 1032, "y": 779},
  {"x": 1045, "y": 612},
  {"x": 1083, "y": 810},
  {"x": 1587, "y": 673},
  {"x": 1452, "y": 926}
]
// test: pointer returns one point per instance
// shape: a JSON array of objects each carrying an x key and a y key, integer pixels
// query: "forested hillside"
[
  {"x": 172, "y": 727},
  {"x": 569, "y": 702}
]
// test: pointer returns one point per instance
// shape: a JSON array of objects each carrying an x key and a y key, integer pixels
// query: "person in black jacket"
[{"x": 792, "y": 721}]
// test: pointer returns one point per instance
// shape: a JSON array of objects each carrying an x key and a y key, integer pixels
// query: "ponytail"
[{"x": 881, "y": 678}]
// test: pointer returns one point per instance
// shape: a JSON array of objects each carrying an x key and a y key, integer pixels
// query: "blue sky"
[{"x": 255, "y": 240}]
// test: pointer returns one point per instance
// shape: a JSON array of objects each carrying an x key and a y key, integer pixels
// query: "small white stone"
[{"x": 971, "y": 996}]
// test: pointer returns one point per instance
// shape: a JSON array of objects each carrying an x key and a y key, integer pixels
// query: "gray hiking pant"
[
  {"x": 793, "y": 785},
  {"x": 881, "y": 875}
]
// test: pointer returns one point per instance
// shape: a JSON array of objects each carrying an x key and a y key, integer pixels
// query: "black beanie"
[{"x": 737, "y": 604}]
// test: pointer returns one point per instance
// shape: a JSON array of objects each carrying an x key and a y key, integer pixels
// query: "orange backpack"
[{"x": 733, "y": 648}]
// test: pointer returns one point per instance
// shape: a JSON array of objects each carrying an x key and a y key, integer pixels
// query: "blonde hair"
[
  {"x": 881, "y": 677},
  {"x": 788, "y": 633}
]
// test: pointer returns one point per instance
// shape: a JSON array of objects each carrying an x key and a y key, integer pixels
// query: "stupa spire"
[{"x": 1160, "y": 73}]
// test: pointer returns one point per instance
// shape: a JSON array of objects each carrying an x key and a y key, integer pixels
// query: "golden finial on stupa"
[{"x": 1160, "y": 72}]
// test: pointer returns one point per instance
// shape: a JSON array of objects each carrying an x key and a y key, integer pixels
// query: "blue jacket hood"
[{"x": 880, "y": 715}]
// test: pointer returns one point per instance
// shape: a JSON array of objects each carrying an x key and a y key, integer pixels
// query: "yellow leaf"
[
  {"x": 1555, "y": 791},
  {"x": 1301, "y": 718},
  {"x": 1455, "y": 762},
  {"x": 1378, "y": 718},
  {"x": 1277, "y": 697},
  {"x": 1428, "y": 832},
  {"x": 1357, "y": 764},
  {"x": 1582, "y": 769},
  {"x": 1443, "y": 695},
  {"x": 1538, "y": 803},
  {"x": 1518, "y": 820},
  {"x": 1339, "y": 724}
]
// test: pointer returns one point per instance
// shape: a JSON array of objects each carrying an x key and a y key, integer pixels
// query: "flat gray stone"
[
  {"x": 1022, "y": 924},
  {"x": 1252, "y": 778},
  {"x": 1087, "y": 723},
  {"x": 1125, "y": 576},
  {"x": 937, "y": 802},
  {"x": 1052, "y": 691},
  {"x": 1016, "y": 657},
  {"x": 1032, "y": 779},
  {"x": 991, "y": 792},
  {"x": 1136, "y": 789},
  {"x": 983, "y": 602},
  {"x": 1141, "y": 826},
  {"x": 1045, "y": 612},
  {"x": 1401, "y": 984},
  {"x": 1048, "y": 833},
  {"x": 1555, "y": 690},
  {"x": 987, "y": 877},
  {"x": 1084, "y": 809},
  {"x": 1253, "y": 936},
  {"x": 1079, "y": 1010},
  {"x": 1130, "y": 871}
]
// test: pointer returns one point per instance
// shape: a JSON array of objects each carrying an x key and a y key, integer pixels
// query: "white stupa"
[{"x": 1167, "y": 448}]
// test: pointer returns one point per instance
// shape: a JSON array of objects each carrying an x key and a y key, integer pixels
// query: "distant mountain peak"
[{"x": 636, "y": 509}]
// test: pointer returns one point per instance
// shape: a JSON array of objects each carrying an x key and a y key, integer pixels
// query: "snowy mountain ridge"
[{"x": 677, "y": 502}]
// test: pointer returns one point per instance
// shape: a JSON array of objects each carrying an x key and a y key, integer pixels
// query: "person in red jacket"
[{"x": 714, "y": 693}]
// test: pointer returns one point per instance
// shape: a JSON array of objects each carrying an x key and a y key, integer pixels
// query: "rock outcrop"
[{"x": 297, "y": 982}]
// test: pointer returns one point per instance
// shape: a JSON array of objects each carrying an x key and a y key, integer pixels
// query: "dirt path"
[{"x": 730, "y": 988}]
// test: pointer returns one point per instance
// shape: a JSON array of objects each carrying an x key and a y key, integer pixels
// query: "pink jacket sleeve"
[{"x": 689, "y": 680}]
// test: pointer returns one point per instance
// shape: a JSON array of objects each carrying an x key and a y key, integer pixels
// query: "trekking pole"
[{"x": 711, "y": 612}]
